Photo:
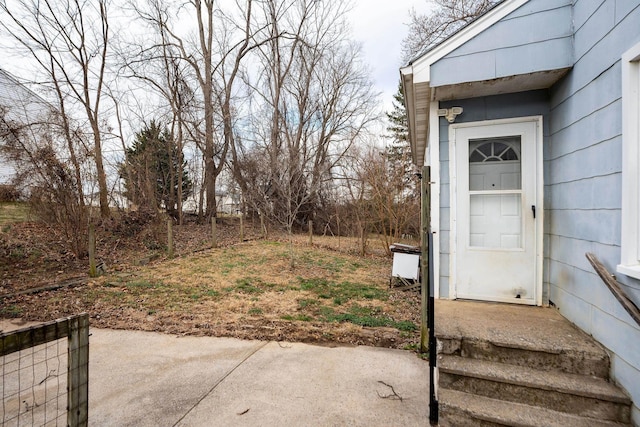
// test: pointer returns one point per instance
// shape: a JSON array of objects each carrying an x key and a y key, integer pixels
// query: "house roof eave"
[
  {"x": 503, "y": 85},
  {"x": 421, "y": 66},
  {"x": 417, "y": 100}
]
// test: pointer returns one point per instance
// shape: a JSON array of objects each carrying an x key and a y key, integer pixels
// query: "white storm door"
[{"x": 496, "y": 192}]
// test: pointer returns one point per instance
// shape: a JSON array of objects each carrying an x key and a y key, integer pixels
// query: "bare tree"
[
  {"x": 394, "y": 206},
  {"x": 377, "y": 197},
  {"x": 444, "y": 18},
  {"x": 316, "y": 100},
  {"x": 160, "y": 67},
  {"x": 353, "y": 207},
  {"x": 69, "y": 41},
  {"x": 35, "y": 145},
  {"x": 214, "y": 56}
]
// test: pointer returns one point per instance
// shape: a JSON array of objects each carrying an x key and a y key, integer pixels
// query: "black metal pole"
[
  {"x": 433, "y": 402},
  {"x": 425, "y": 218},
  {"x": 427, "y": 291}
]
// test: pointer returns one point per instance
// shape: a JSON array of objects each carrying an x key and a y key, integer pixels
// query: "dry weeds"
[{"x": 246, "y": 290}]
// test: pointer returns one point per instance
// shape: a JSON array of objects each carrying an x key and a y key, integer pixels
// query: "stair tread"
[
  {"x": 516, "y": 326},
  {"x": 509, "y": 341},
  {"x": 581, "y": 385},
  {"x": 513, "y": 414}
]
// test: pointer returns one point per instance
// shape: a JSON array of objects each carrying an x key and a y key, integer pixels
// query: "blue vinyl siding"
[
  {"x": 583, "y": 163},
  {"x": 536, "y": 37},
  {"x": 445, "y": 205},
  {"x": 584, "y": 158}
]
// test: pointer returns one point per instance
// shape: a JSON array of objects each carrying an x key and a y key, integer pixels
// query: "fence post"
[
  {"x": 214, "y": 233},
  {"x": 170, "y": 238},
  {"x": 93, "y": 272},
  {"x": 78, "y": 372},
  {"x": 311, "y": 232},
  {"x": 241, "y": 228}
]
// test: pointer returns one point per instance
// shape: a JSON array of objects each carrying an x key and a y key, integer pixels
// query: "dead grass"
[
  {"x": 247, "y": 290},
  {"x": 13, "y": 212}
]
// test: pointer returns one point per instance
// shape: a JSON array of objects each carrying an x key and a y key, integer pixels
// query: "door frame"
[{"x": 539, "y": 197}]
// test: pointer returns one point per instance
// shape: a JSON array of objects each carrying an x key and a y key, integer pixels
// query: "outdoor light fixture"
[{"x": 450, "y": 113}]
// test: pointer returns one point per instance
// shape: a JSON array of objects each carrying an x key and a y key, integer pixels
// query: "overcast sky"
[{"x": 380, "y": 25}]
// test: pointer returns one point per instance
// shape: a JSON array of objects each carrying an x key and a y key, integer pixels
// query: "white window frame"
[{"x": 630, "y": 239}]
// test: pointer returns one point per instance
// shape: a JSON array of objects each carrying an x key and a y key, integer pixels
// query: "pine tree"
[
  {"x": 151, "y": 169},
  {"x": 398, "y": 124},
  {"x": 398, "y": 152}
]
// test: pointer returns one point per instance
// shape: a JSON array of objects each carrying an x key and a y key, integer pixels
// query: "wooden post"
[
  {"x": 93, "y": 272},
  {"x": 170, "y": 238},
  {"x": 311, "y": 232},
  {"x": 214, "y": 233},
  {"x": 425, "y": 218},
  {"x": 241, "y": 228},
  {"x": 78, "y": 371}
]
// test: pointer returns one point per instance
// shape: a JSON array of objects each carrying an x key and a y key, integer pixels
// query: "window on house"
[
  {"x": 630, "y": 239},
  {"x": 494, "y": 150}
]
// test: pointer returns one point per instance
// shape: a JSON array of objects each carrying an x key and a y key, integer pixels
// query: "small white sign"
[{"x": 406, "y": 266}]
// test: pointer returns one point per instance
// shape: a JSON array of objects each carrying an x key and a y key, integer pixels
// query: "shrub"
[{"x": 9, "y": 193}]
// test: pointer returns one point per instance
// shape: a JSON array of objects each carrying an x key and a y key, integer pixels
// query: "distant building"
[
  {"x": 17, "y": 104},
  {"x": 228, "y": 203}
]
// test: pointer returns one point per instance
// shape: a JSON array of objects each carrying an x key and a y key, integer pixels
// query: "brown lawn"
[{"x": 247, "y": 290}]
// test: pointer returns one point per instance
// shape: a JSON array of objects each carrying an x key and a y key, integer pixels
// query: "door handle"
[{"x": 533, "y": 209}]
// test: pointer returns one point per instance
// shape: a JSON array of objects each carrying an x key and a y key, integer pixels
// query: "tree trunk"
[
  {"x": 180, "y": 169},
  {"x": 105, "y": 212}
]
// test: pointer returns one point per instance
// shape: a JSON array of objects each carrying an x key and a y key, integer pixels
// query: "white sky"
[{"x": 380, "y": 25}]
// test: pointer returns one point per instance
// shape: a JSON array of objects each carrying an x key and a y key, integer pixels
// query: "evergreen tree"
[
  {"x": 398, "y": 124},
  {"x": 151, "y": 169},
  {"x": 398, "y": 152}
]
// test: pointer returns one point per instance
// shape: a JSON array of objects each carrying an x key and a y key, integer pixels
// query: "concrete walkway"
[{"x": 152, "y": 379}]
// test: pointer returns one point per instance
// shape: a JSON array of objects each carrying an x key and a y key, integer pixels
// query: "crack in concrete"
[{"x": 251, "y": 353}]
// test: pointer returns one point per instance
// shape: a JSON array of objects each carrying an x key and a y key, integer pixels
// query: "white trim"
[
  {"x": 630, "y": 238},
  {"x": 453, "y": 185},
  {"x": 629, "y": 270},
  {"x": 540, "y": 210},
  {"x": 434, "y": 160},
  {"x": 421, "y": 67},
  {"x": 539, "y": 197}
]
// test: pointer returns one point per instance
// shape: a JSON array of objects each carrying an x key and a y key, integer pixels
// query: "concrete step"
[
  {"x": 520, "y": 335},
  {"x": 458, "y": 409},
  {"x": 570, "y": 393},
  {"x": 588, "y": 359}
]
